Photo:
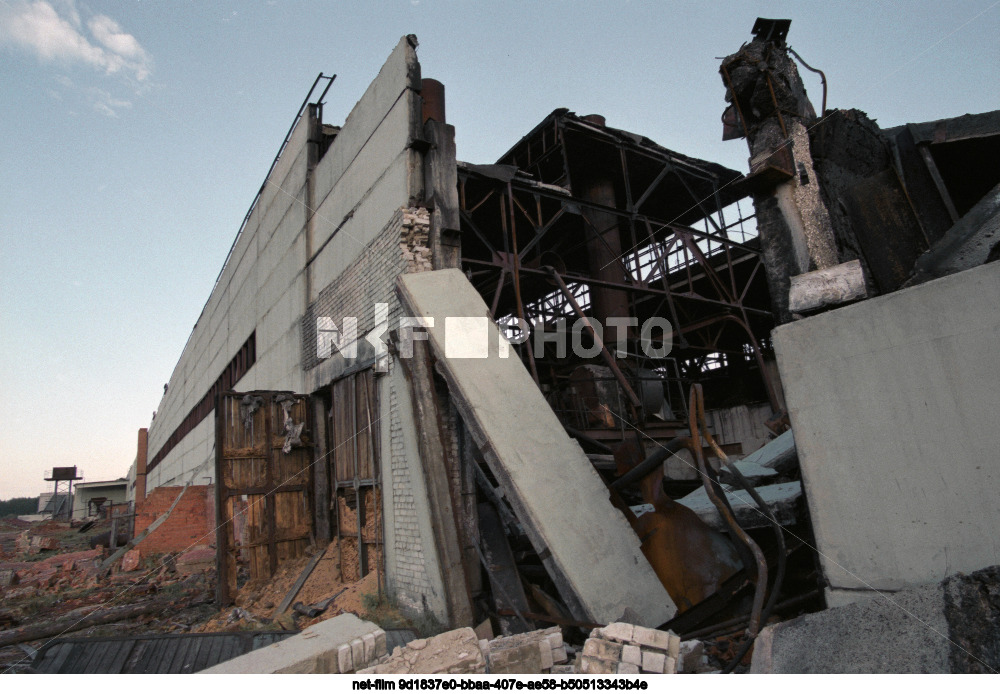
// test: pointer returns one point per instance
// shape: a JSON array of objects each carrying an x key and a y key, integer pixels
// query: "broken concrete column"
[
  {"x": 827, "y": 287},
  {"x": 765, "y": 90}
]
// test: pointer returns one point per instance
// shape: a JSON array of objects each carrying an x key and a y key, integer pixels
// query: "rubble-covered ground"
[{"x": 49, "y": 578}]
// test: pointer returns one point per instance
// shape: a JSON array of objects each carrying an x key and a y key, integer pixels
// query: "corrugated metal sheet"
[{"x": 154, "y": 654}]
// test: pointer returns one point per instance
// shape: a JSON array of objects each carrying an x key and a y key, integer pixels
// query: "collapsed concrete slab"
[
  {"x": 893, "y": 402},
  {"x": 952, "y": 626},
  {"x": 587, "y": 546},
  {"x": 781, "y": 499},
  {"x": 972, "y": 241},
  {"x": 770, "y": 460}
]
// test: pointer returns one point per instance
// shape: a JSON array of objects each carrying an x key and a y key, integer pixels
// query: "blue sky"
[{"x": 134, "y": 135}]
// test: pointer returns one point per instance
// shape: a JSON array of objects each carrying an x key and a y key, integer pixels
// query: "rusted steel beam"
[
  {"x": 608, "y": 358},
  {"x": 517, "y": 277}
]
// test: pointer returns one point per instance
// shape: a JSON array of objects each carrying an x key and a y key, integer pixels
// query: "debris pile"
[
  {"x": 617, "y": 648},
  {"x": 628, "y": 649},
  {"x": 535, "y": 651},
  {"x": 453, "y": 652}
]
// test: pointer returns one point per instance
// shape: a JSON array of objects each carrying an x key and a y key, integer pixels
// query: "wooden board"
[{"x": 263, "y": 495}]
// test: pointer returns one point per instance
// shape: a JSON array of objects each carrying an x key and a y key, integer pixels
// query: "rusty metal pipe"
[
  {"x": 696, "y": 417},
  {"x": 652, "y": 462},
  {"x": 432, "y": 95}
]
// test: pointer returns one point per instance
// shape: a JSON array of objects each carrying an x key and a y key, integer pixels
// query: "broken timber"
[{"x": 299, "y": 582}]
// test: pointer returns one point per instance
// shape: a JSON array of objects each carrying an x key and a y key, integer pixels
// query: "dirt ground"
[
  {"x": 260, "y": 599},
  {"x": 51, "y": 582}
]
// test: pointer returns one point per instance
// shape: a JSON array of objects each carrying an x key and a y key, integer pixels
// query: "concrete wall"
[
  {"x": 894, "y": 405},
  {"x": 285, "y": 256},
  {"x": 326, "y": 239},
  {"x": 115, "y": 492}
]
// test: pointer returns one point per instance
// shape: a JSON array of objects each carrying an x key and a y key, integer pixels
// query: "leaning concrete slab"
[
  {"x": 592, "y": 553},
  {"x": 894, "y": 405},
  {"x": 783, "y": 500},
  {"x": 342, "y": 644}
]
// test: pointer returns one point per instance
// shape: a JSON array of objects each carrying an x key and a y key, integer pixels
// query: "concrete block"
[
  {"x": 322, "y": 648},
  {"x": 589, "y": 665},
  {"x": 826, "y": 287},
  {"x": 674, "y": 647},
  {"x": 632, "y": 654},
  {"x": 555, "y": 640},
  {"x": 651, "y": 638},
  {"x": 559, "y": 655},
  {"x": 670, "y": 666},
  {"x": 586, "y": 567},
  {"x": 562, "y": 670},
  {"x": 905, "y": 632},
  {"x": 345, "y": 658},
  {"x": 358, "y": 653},
  {"x": 653, "y": 661},
  {"x": 617, "y": 631},
  {"x": 369, "y": 653},
  {"x": 545, "y": 653},
  {"x": 628, "y": 669},
  {"x": 599, "y": 648},
  {"x": 523, "y": 659}
]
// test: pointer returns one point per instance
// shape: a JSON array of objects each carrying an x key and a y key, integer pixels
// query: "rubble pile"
[
  {"x": 536, "y": 651},
  {"x": 618, "y": 648},
  {"x": 628, "y": 649},
  {"x": 453, "y": 652}
]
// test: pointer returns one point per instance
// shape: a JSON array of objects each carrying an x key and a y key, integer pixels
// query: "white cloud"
[{"x": 38, "y": 27}]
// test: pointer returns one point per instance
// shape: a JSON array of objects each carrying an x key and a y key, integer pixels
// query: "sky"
[{"x": 134, "y": 136}]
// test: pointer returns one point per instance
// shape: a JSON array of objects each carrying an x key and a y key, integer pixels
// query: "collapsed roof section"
[{"x": 634, "y": 231}]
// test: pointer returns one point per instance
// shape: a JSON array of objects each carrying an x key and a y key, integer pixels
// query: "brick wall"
[
  {"x": 409, "y": 576},
  {"x": 191, "y": 523},
  {"x": 400, "y": 247}
]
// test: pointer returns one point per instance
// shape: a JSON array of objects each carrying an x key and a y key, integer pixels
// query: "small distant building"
[
  {"x": 92, "y": 498},
  {"x": 50, "y": 504}
]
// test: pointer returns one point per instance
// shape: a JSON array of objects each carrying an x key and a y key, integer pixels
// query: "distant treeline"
[{"x": 21, "y": 506}]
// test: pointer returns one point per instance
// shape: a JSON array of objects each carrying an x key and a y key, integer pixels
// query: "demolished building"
[{"x": 478, "y": 379}]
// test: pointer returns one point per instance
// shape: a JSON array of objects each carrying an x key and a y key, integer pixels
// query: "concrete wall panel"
[{"x": 894, "y": 405}]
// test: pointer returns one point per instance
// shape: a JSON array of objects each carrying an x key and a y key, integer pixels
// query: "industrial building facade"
[
  {"x": 346, "y": 211},
  {"x": 321, "y": 395}
]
